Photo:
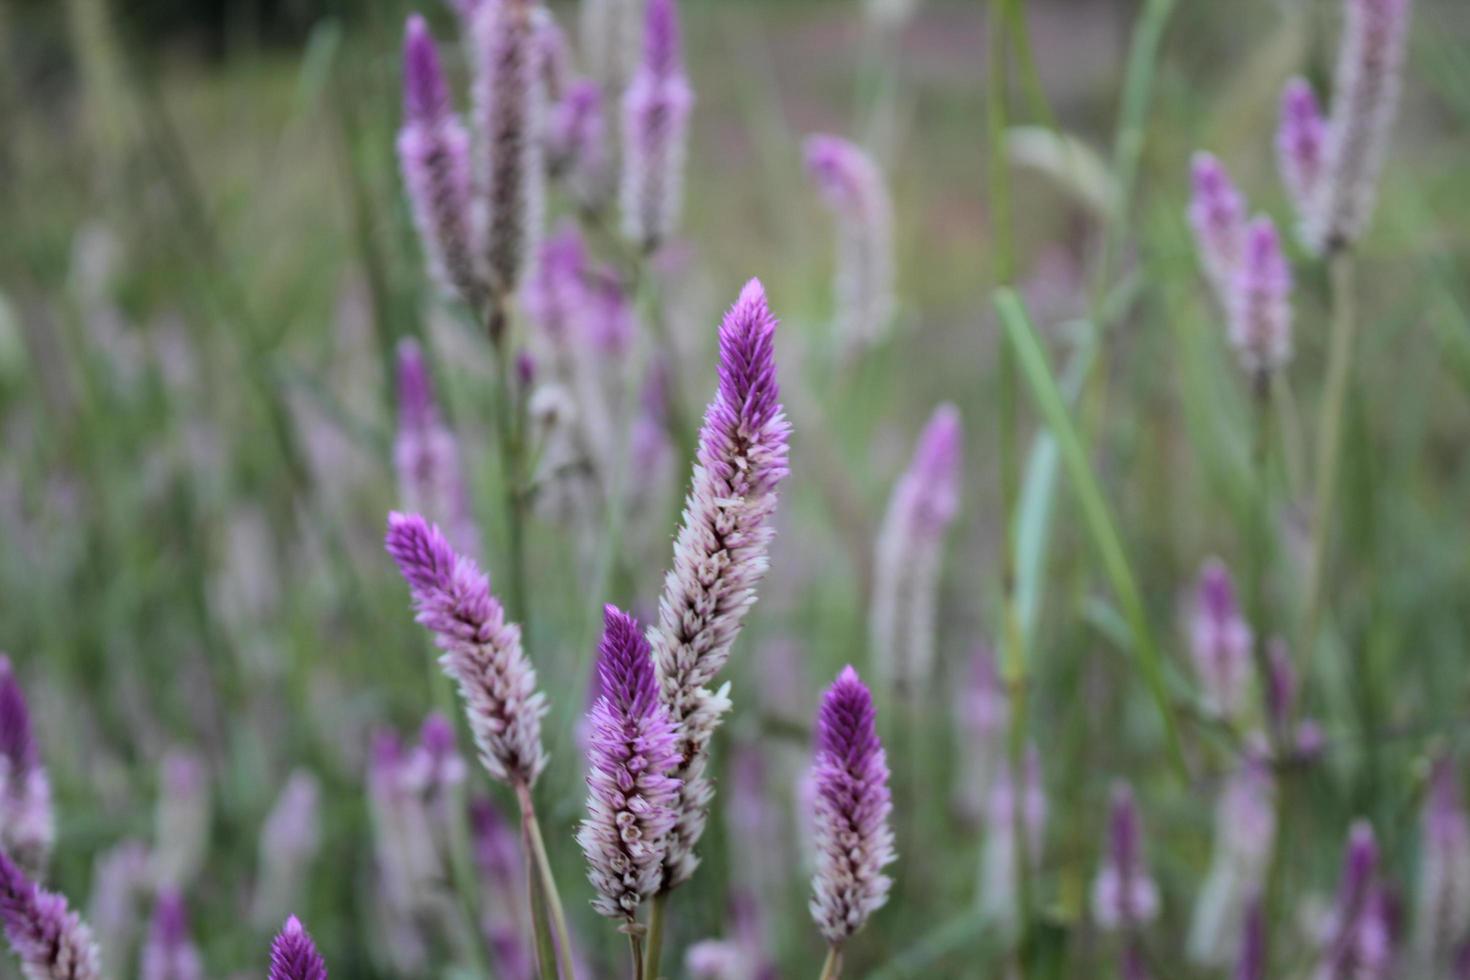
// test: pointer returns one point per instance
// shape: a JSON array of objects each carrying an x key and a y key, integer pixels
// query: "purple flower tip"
[
  {"x": 846, "y": 727},
  {"x": 1123, "y": 828},
  {"x": 16, "y": 741},
  {"x": 425, "y": 91},
  {"x": 423, "y": 554},
  {"x": 1209, "y": 175},
  {"x": 170, "y": 919},
  {"x": 415, "y": 390},
  {"x": 625, "y": 663},
  {"x": 937, "y": 463},
  {"x": 661, "y": 38},
  {"x": 1263, "y": 254},
  {"x": 294, "y": 955},
  {"x": 748, "y": 386},
  {"x": 437, "y": 735}
]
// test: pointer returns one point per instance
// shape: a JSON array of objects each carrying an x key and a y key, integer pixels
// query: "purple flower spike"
[
  {"x": 909, "y": 553},
  {"x": 631, "y": 753},
  {"x": 1442, "y": 903},
  {"x": 170, "y": 954},
  {"x": 1251, "y": 964},
  {"x": 434, "y": 155},
  {"x": 1219, "y": 641},
  {"x": 482, "y": 651},
  {"x": 1245, "y": 833},
  {"x": 1217, "y": 215},
  {"x": 1260, "y": 303},
  {"x": 656, "y": 109},
  {"x": 294, "y": 955},
  {"x": 51, "y": 942},
  {"x": 1364, "y": 102},
  {"x": 509, "y": 112},
  {"x": 720, "y": 554},
  {"x": 27, "y": 828},
  {"x": 1301, "y": 143},
  {"x": 853, "y": 840},
  {"x": 1004, "y": 846},
  {"x": 553, "y": 55},
  {"x": 1124, "y": 896},
  {"x": 982, "y": 713},
  {"x": 577, "y": 143},
  {"x": 854, "y": 189},
  {"x": 426, "y": 454},
  {"x": 1353, "y": 908}
]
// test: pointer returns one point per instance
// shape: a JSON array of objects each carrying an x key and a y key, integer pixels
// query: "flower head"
[
  {"x": 631, "y": 750},
  {"x": 434, "y": 155},
  {"x": 482, "y": 651},
  {"x": 1442, "y": 905},
  {"x": 1217, "y": 216},
  {"x": 1124, "y": 896},
  {"x": 1260, "y": 301},
  {"x": 294, "y": 955},
  {"x": 27, "y": 827},
  {"x": 656, "y": 109},
  {"x": 909, "y": 552},
  {"x": 1301, "y": 142},
  {"x": 577, "y": 142},
  {"x": 720, "y": 553},
  {"x": 170, "y": 953},
  {"x": 854, "y": 189},
  {"x": 426, "y": 454},
  {"x": 51, "y": 941},
  {"x": 1353, "y": 910},
  {"x": 1219, "y": 640},
  {"x": 1245, "y": 833},
  {"x": 854, "y": 842}
]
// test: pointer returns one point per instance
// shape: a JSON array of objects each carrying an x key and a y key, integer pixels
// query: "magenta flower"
[
  {"x": 1442, "y": 902},
  {"x": 1260, "y": 301},
  {"x": 1245, "y": 833},
  {"x": 170, "y": 953},
  {"x": 1217, "y": 216},
  {"x": 577, "y": 144},
  {"x": 434, "y": 154},
  {"x": 1124, "y": 896},
  {"x": 1364, "y": 102},
  {"x": 1301, "y": 143},
  {"x": 853, "y": 840},
  {"x": 426, "y": 454},
  {"x": 631, "y": 751},
  {"x": 482, "y": 651},
  {"x": 27, "y": 828},
  {"x": 910, "y": 552},
  {"x": 656, "y": 109},
  {"x": 51, "y": 942},
  {"x": 1353, "y": 910},
  {"x": 509, "y": 113},
  {"x": 853, "y": 187},
  {"x": 1281, "y": 698},
  {"x": 720, "y": 553},
  {"x": 1219, "y": 641},
  {"x": 294, "y": 955}
]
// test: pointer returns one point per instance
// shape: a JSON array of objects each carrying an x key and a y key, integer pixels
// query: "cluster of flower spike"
[{"x": 27, "y": 829}]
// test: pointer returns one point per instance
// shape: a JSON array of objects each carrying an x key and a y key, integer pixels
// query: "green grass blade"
[{"x": 1100, "y": 524}]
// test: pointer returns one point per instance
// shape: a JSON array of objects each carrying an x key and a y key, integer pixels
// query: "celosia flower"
[
  {"x": 121, "y": 880},
  {"x": 1442, "y": 904},
  {"x": 853, "y": 840},
  {"x": 482, "y": 651},
  {"x": 1260, "y": 302},
  {"x": 181, "y": 818},
  {"x": 1364, "y": 102},
  {"x": 1281, "y": 697},
  {"x": 1245, "y": 832},
  {"x": 1124, "y": 896},
  {"x": 1352, "y": 910},
  {"x": 1301, "y": 143},
  {"x": 656, "y": 109},
  {"x": 27, "y": 828},
  {"x": 1217, "y": 215},
  {"x": 290, "y": 840},
  {"x": 294, "y": 955},
  {"x": 495, "y": 846},
  {"x": 854, "y": 189},
  {"x": 577, "y": 144},
  {"x": 910, "y": 552},
  {"x": 170, "y": 953},
  {"x": 999, "y": 901},
  {"x": 982, "y": 717},
  {"x": 408, "y": 855},
  {"x": 720, "y": 553},
  {"x": 631, "y": 752},
  {"x": 1219, "y": 641},
  {"x": 508, "y": 99},
  {"x": 426, "y": 454},
  {"x": 51, "y": 942},
  {"x": 434, "y": 154},
  {"x": 553, "y": 58}
]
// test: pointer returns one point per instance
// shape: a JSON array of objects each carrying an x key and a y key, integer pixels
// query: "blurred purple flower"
[
  {"x": 553, "y": 55},
  {"x": 27, "y": 827},
  {"x": 434, "y": 154},
  {"x": 577, "y": 144},
  {"x": 853, "y": 188},
  {"x": 1219, "y": 641},
  {"x": 1442, "y": 904},
  {"x": 51, "y": 942},
  {"x": 909, "y": 554},
  {"x": 290, "y": 839},
  {"x": 294, "y": 955},
  {"x": 1251, "y": 963},
  {"x": 482, "y": 651},
  {"x": 170, "y": 953},
  {"x": 426, "y": 454},
  {"x": 1245, "y": 833},
  {"x": 1354, "y": 910},
  {"x": 1281, "y": 698},
  {"x": 1259, "y": 312},
  {"x": 853, "y": 839},
  {"x": 1217, "y": 215},
  {"x": 720, "y": 553},
  {"x": 982, "y": 717},
  {"x": 120, "y": 881},
  {"x": 182, "y": 818},
  {"x": 1301, "y": 143},
  {"x": 656, "y": 109},
  {"x": 998, "y": 899},
  {"x": 1124, "y": 896}
]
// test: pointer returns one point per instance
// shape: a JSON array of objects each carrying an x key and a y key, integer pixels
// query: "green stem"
[
  {"x": 1329, "y": 445},
  {"x": 635, "y": 949},
  {"x": 547, "y": 881},
  {"x": 509, "y": 431},
  {"x": 832, "y": 965},
  {"x": 655, "y": 948}
]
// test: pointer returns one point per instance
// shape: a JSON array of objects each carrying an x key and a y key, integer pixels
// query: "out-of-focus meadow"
[{"x": 207, "y": 262}]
